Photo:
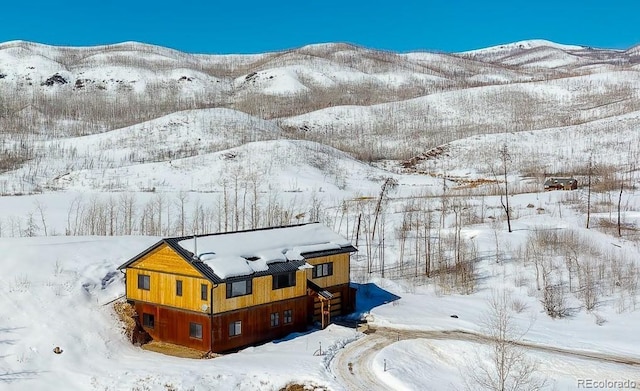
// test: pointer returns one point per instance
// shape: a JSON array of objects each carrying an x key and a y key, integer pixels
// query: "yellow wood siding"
[
  {"x": 262, "y": 293},
  {"x": 164, "y": 266},
  {"x": 163, "y": 290},
  {"x": 340, "y": 270},
  {"x": 164, "y": 259}
]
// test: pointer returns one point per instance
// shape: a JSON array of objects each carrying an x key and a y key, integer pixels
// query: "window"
[
  {"x": 284, "y": 280},
  {"x": 144, "y": 282},
  {"x": 178, "y": 287},
  {"x": 235, "y": 328},
  {"x": 275, "y": 319},
  {"x": 323, "y": 270},
  {"x": 238, "y": 288},
  {"x": 203, "y": 291},
  {"x": 195, "y": 330},
  {"x": 288, "y": 316},
  {"x": 148, "y": 320}
]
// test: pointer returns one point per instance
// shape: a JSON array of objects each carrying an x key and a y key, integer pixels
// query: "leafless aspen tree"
[{"x": 509, "y": 368}]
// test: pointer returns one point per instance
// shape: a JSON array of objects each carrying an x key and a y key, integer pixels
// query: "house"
[
  {"x": 560, "y": 184},
  {"x": 220, "y": 292}
]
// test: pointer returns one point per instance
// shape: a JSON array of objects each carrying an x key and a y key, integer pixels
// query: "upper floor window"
[
  {"x": 178, "y": 287},
  {"x": 144, "y": 282},
  {"x": 284, "y": 280},
  {"x": 239, "y": 288},
  {"x": 204, "y": 289},
  {"x": 323, "y": 270}
]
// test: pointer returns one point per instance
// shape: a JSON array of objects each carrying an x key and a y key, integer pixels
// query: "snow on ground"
[
  {"x": 284, "y": 165},
  {"x": 472, "y": 107},
  {"x": 548, "y": 150},
  {"x": 55, "y": 293},
  {"x": 426, "y": 364},
  {"x": 54, "y": 287},
  {"x": 527, "y": 44},
  {"x": 452, "y": 365},
  {"x": 275, "y": 81}
]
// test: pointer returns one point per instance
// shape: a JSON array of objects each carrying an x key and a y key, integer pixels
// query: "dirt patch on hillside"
[
  {"x": 126, "y": 313},
  {"x": 301, "y": 387},
  {"x": 176, "y": 350}
]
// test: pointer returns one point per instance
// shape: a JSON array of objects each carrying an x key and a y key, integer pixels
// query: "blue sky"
[{"x": 237, "y": 26}]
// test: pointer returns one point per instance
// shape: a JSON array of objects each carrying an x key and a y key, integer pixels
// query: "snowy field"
[
  {"x": 56, "y": 288},
  {"x": 434, "y": 248}
]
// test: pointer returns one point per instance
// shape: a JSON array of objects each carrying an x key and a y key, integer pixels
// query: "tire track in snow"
[{"x": 353, "y": 365}]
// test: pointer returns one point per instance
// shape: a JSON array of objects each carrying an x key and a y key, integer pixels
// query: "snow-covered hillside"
[{"x": 105, "y": 149}]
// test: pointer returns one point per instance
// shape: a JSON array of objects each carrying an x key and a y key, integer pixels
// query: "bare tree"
[
  {"x": 182, "y": 199},
  {"x": 589, "y": 175},
  {"x": 509, "y": 368},
  {"x": 32, "y": 228},
  {"x": 41, "y": 209},
  {"x": 619, "y": 203},
  {"x": 389, "y": 184},
  {"x": 505, "y": 159}
]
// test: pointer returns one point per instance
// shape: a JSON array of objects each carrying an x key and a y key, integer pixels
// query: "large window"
[
  {"x": 284, "y": 280},
  {"x": 288, "y": 316},
  {"x": 148, "y": 320},
  {"x": 275, "y": 319},
  {"x": 323, "y": 270},
  {"x": 239, "y": 288},
  {"x": 195, "y": 330},
  {"x": 204, "y": 289},
  {"x": 144, "y": 282},
  {"x": 178, "y": 287},
  {"x": 235, "y": 328}
]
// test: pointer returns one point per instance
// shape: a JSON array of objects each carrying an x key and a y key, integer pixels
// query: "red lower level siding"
[
  {"x": 172, "y": 326},
  {"x": 256, "y": 324}
]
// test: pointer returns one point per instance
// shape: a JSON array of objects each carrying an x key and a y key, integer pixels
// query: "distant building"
[
  {"x": 220, "y": 292},
  {"x": 560, "y": 184}
]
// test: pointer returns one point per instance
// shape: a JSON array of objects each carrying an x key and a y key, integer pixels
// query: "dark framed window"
[
  {"x": 284, "y": 280},
  {"x": 195, "y": 330},
  {"x": 148, "y": 320},
  {"x": 239, "y": 288},
  {"x": 275, "y": 319},
  {"x": 144, "y": 282},
  {"x": 235, "y": 328},
  {"x": 204, "y": 289},
  {"x": 178, "y": 287},
  {"x": 288, "y": 316},
  {"x": 322, "y": 270}
]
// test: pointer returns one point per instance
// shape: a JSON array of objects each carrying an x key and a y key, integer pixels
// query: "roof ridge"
[{"x": 179, "y": 238}]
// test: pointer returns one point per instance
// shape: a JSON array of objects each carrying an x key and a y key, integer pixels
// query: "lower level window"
[
  {"x": 275, "y": 319},
  {"x": 288, "y": 316},
  {"x": 148, "y": 320},
  {"x": 235, "y": 328},
  {"x": 195, "y": 330}
]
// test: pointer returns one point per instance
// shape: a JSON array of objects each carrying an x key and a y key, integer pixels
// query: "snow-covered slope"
[
  {"x": 524, "y": 45},
  {"x": 176, "y": 143},
  {"x": 285, "y": 165}
]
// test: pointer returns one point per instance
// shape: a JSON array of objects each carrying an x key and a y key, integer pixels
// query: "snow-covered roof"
[{"x": 244, "y": 253}]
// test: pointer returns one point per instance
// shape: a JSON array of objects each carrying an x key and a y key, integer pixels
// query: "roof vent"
[{"x": 195, "y": 248}]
